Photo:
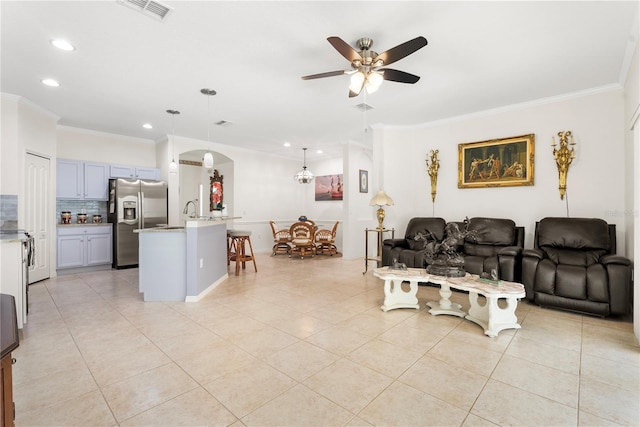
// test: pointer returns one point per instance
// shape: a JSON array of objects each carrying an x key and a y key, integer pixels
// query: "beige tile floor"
[{"x": 304, "y": 343}]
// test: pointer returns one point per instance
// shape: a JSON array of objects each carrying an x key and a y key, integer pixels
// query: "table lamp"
[{"x": 381, "y": 199}]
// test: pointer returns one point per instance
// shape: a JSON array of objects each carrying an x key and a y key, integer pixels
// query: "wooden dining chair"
[
  {"x": 325, "y": 240},
  {"x": 302, "y": 236},
  {"x": 281, "y": 239}
]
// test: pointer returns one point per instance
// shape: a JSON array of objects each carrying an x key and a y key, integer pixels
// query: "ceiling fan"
[{"x": 367, "y": 72}]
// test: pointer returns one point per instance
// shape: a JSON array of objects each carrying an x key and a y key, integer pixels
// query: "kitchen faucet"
[{"x": 195, "y": 208}]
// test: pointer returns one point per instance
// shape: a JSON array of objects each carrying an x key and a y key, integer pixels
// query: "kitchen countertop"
[
  {"x": 88, "y": 224},
  {"x": 191, "y": 223},
  {"x": 12, "y": 237}
]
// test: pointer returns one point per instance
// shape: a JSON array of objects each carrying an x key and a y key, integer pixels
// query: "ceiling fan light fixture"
[
  {"x": 374, "y": 80},
  {"x": 304, "y": 176},
  {"x": 357, "y": 80}
]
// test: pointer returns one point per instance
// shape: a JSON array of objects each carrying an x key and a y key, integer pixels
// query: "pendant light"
[
  {"x": 173, "y": 166},
  {"x": 304, "y": 176},
  {"x": 207, "y": 161}
]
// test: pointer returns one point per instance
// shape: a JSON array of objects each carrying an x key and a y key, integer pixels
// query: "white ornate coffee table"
[
  {"x": 490, "y": 316},
  {"x": 394, "y": 295}
]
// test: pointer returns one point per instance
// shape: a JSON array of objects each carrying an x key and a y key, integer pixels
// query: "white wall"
[
  {"x": 83, "y": 144},
  {"x": 27, "y": 128},
  {"x": 261, "y": 188},
  {"x": 9, "y": 149},
  {"x": 595, "y": 183}
]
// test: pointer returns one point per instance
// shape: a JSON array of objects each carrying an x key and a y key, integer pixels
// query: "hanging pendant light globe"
[
  {"x": 173, "y": 166},
  {"x": 304, "y": 176},
  {"x": 207, "y": 161}
]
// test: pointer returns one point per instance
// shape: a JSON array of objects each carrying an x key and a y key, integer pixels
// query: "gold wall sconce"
[
  {"x": 564, "y": 156},
  {"x": 433, "y": 165}
]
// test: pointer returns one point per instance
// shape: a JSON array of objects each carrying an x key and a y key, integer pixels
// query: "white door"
[{"x": 38, "y": 216}]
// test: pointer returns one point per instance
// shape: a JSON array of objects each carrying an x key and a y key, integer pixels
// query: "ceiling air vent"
[
  {"x": 364, "y": 107},
  {"x": 150, "y": 8}
]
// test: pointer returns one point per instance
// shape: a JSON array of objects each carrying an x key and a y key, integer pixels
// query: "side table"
[{"x": 379, "y": 235}]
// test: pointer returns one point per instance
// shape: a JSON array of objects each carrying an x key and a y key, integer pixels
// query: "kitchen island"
[{"x": 182, "y": 263}]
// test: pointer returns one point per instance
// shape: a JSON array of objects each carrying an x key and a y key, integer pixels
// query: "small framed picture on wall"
[{"x": 364, "y": 181}]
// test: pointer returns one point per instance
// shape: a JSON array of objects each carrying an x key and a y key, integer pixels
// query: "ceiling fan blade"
[
  {"x": 405, "y": 49},
  {"x": 344, "y": 49},
  {"x": 398, "y": 76},
  {"x": 327, "y": 74}
]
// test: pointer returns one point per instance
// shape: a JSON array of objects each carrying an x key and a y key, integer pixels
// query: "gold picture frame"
[{"x": 502, "y": 162}]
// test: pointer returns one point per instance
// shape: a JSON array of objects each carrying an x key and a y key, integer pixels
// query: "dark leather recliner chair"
[
  {"x": 574, "y": 266},
  {"x": 494, "y": 243},
  {"x": 408, "y": 250}
]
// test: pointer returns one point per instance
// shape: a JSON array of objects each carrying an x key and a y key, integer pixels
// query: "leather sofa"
[
  {"x": 493, "y": 243},
  {"x": 574, "y": 266},
  {"x": 497, "y": 244},
  {"x": 408, "y": 250}
]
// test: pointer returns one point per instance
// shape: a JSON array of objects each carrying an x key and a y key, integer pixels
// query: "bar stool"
[
  {"x": 237, "y": 249},
  {"x": 231, "y": 246}
]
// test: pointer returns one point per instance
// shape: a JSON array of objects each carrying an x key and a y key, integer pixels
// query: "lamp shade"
[{"x": 381, "y": 199}]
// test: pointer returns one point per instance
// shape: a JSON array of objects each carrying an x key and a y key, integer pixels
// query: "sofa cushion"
[
  {"x": 426, "y": 226},
  {"x": 574, "y": 233},
  {"x": 572, "y": 256},
  {"x": 492, "y": 231}
]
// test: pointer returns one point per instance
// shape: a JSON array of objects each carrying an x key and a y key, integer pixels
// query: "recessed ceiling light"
[
  {"x": 147, "y": 126},
  {"x": 287, "y": 144},
  {"x": 63, "y": 45},
  {"x": 50, "y": 82},
  {"x": 319, "y": 151}
]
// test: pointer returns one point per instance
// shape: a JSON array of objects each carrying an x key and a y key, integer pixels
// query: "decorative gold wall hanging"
[
  {"x": 432, "y": 168},
  {"x": 564, "y": 156}
]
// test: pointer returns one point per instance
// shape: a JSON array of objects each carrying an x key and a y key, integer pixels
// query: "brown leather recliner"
[
  {"x": 409, "y": 250},
  {"x": 494, "y": 243},
  {"x": 574, "y": 266}
]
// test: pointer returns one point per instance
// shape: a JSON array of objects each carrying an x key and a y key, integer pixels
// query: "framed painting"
[
  {"x": 364, "y": 181},
  {"x": 329, "y": 187},
  {"x": 496, "y": 163}
]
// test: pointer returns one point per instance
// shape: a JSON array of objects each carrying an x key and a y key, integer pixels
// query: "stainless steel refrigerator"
[{"x": 134, "y": 204}]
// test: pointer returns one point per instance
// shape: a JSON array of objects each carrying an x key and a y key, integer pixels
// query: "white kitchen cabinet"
[
  {"x": 77, "y": 180},
  {"x": 122, "y": 171},
  {"x": 125, "y": 171},
  {"x": 69, "y": 179},
  {"x": 71, "y": 250},
  {"x": 148, "y": 173},
  {"x": 96, "y": 181},
  {"x": 84, "y": 246},
  {"x": 98, "y": 248}
]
